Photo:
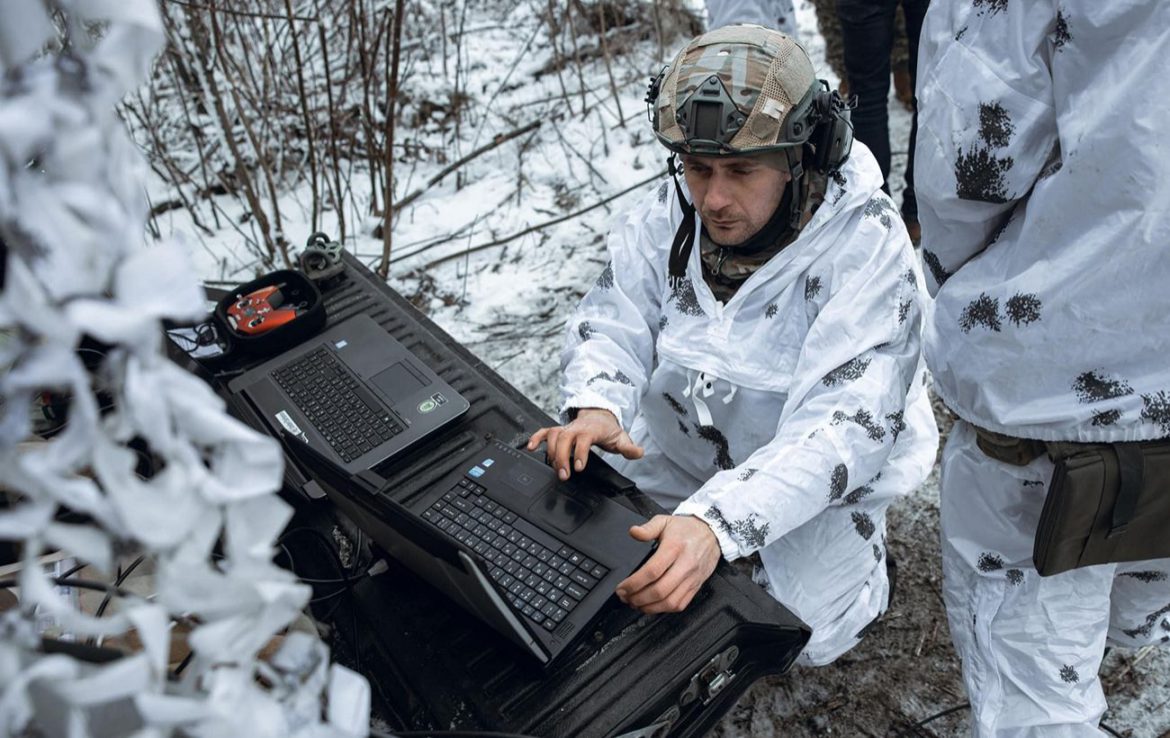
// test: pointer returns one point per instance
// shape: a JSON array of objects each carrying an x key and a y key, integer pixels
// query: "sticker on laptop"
[
  {"x": 487, "y": 462},
  {"x": 290, "y": 425},
  {"x": 341, "y": 344},
  {"x": 475, "y": 471},
  {"x": 427, "y": 406},
  {"x": 439, "y": 399}
]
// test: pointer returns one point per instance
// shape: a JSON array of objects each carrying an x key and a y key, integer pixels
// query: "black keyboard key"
[
  {"x": 575, "y": 592},
  {"x": 549, "y": 624},
  {"x": 583, "y": 579},
  {"x": 566, "y": 602},
  {"x": 598, "y": 572}
]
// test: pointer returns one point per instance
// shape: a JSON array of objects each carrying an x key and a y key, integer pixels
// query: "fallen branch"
[
  {"x": 494, "y": 143},
  {"x": 542, "y": 226}
]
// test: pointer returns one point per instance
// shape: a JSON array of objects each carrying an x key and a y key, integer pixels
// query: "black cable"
[
  {"x": 328, "y": 545},
  {"x": 357, "y": 569},
  {"x": 117, "y": 583},
  {"x": 73, "y": 570},
  {"x": 70, "y": 582},
  {"x": 1109, "y": 730},
  {"x": 966, "y": 705},
  {"x": 913, "y": 729},
  {"x": 182, "y": 664}
]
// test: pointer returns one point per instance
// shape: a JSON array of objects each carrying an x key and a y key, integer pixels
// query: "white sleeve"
[
  {"x": 986, "y": 123},
  {"x": 844, "y": 412},
  {"x": 609, "y": 348}
]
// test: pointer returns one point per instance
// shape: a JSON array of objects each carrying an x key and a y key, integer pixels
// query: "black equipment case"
[{"x": 432, "y": 667}]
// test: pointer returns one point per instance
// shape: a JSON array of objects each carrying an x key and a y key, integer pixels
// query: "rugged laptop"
[
  {"x": 534, "y": 558},
  {"x": 353, "y": 393}
]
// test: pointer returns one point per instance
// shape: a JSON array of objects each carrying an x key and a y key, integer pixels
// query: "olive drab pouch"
[{"x": 1106, "y": 503}]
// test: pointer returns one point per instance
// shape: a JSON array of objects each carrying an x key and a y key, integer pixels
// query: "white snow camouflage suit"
[
  {"x": 1045, "y": 208},
  {"x": 779, "y": 15},
  {"x": 789, "y": 418}
]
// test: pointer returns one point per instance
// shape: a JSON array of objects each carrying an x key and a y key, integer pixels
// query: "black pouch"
[
  {"x": 296, "y": 288},
  {"x": 1107, "y": 503}
]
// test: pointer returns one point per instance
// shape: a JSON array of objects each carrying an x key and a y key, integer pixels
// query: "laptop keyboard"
[
  {"x": 332, "y": 399},
  {"x": 544, "y": 579}
]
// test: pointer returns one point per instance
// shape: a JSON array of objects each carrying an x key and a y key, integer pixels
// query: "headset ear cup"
[{"x": 833, "y": 136}]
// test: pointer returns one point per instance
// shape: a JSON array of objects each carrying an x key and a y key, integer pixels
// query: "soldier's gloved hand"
[
  {"x": 687, "y": 555},
  {"x": 591, "y": 427}
]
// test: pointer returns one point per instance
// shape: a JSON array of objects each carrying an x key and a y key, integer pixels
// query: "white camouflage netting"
[{"x": 72, "y": 212}]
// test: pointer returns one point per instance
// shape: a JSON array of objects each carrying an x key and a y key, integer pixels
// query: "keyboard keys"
[
  {"x": 325, "y": 392},
  {"x": 583, "y": 579},
  {"x": 543, "y": 583}
]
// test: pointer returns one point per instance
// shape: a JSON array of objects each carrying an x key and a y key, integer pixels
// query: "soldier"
[
  {"x": 776, "y": 14},
  {"x": 1044, "y": 202},
  {"x": 750, "y": 355},
  {"x": 868, "y": 37}
]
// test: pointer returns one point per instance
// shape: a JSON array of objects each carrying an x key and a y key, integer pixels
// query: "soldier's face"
[{"x": 735, "y": 196}]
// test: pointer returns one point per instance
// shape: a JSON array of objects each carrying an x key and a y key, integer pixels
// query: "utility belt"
[{"x": 1107, "y": 502}]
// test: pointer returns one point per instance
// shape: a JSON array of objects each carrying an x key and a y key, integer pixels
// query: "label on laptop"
[
  {"x": 341, "y": 344},
  {"x": 288, "y": 423},
  {"x": 426, "y": 406},
  {"x": 475, "y": 471}
]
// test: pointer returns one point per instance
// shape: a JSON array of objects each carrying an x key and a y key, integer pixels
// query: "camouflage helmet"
[{"x": 737, "y": 89}]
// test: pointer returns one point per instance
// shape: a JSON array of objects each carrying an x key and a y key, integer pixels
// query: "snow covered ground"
[{"x": 508, "y": 302}]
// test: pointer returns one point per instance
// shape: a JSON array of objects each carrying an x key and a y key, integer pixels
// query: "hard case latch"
[{"x": 712, "y": 678}]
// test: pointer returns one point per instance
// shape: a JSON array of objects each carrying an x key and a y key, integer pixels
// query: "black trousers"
[{"x": 867, "y": 32}]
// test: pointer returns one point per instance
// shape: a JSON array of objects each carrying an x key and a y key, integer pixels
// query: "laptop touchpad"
[
  {"x": 397, "y": 383},
  {"x": 560, "y": 510}
]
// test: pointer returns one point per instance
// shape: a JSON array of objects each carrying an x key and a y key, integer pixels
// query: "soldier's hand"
[
  {"x": 686, "y": 557},
  {"x": 591, "y": 427}
]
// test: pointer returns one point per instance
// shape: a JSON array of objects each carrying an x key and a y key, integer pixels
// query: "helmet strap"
[
  {"x": 684, "y": 237},
  {"x": 796, "y": 187}
]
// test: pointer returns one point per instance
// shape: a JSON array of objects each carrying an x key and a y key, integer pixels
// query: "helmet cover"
[{"x": 736, "y": 90}]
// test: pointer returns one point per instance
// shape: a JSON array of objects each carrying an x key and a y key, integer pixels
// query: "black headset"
[{"x": 832, "y": 136}]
